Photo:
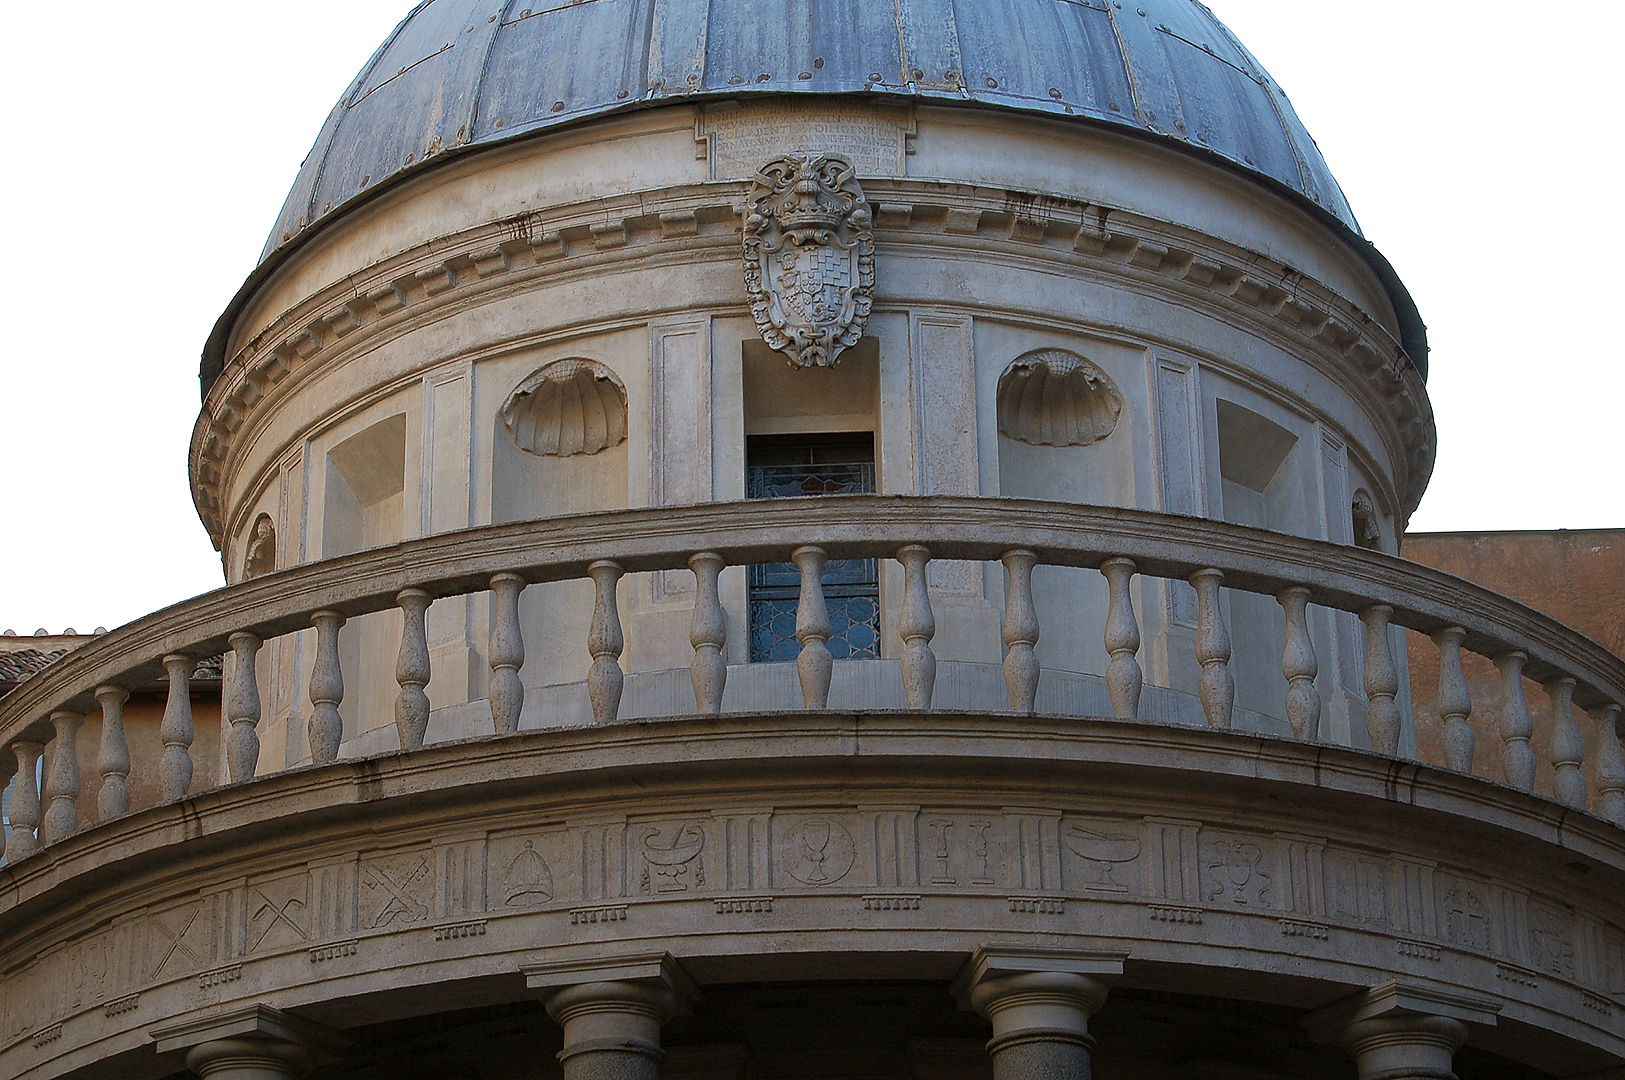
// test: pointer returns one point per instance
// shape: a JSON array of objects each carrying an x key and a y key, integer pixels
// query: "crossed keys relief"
[{"x": 396, "y": 886}]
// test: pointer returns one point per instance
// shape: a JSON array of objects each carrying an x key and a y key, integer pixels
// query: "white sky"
[{"x": 157, "y": 140}]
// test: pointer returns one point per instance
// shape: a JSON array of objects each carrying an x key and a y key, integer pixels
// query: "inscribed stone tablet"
[{"x": 741, "y": 137}]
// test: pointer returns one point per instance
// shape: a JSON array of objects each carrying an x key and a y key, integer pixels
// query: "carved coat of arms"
[{"x": 809, "y": 257}]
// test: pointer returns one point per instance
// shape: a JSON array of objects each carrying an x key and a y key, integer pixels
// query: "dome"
[{"x": 458, "y": 74}]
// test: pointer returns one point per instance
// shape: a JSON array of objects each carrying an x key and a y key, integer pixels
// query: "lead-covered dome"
[{"x": 457, "y": 74}]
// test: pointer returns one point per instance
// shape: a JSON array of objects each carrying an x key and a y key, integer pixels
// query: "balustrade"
[{"x": 42, "y": 718}]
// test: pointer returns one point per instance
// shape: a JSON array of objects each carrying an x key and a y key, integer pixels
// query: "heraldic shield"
[{"x": 809, "y": 257}]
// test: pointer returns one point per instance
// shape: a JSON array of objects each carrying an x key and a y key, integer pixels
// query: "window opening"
[{"x": 789, "y": 466}]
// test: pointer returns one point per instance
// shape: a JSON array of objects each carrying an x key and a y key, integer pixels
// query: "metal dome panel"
[{"x": 464, "y": 73}]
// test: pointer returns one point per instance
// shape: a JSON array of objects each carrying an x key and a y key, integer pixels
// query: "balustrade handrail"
[{"x": 848, "y": 526}]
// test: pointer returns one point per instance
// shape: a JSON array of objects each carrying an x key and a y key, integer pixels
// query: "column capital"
[
  {"x": 1401, "y": 1031},
  {"x": 653, "y": 977},
  {"x": 613, "y": 1007},
  {"x": 255, "y": 1037},
  {"x": 1035, "y": 995}
]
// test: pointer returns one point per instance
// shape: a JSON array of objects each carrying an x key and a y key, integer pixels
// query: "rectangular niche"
[{"x": 366, "y": 480}]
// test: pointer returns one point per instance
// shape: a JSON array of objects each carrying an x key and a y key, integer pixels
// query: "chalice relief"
[{"x": 818, "y": 851}]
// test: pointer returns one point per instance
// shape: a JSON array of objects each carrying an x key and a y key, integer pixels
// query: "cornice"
[{"x": 453, "y": 271}]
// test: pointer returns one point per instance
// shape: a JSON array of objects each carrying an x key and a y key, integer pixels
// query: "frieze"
[
  {"x": 887, "y": 860},
  {"x": 1295, "y": 305}
]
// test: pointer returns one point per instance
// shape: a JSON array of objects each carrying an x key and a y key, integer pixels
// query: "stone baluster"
[
  {"x": 1455, "y": 700},
  {"x": 113, "y": 758},
  {"x": 175, "y": 731},
  {"x": 243, "y": 710},
  {"x": 1517, "y": 724},
  {"x": 62, "y": 783},
  {"x": 1298, "y": 665},
  {"x": 25, "y": 805},
  {"x": 814, "y": 665},
  {"x": 507, "y": 654},
  {"x": 1610, "y": 765},
  {"x": 917, "y": 627},
  {"x": 1123, "y": 676},
  {"x": 1020, "y": 631},
  {"x": 708, "y": 633},
  {"x": 326, "y": 728},
  {"x": 1568, "y": 783},
  {"x": 412, "y": 668},
  {"x": 605, "y": 642},
  {"x": 1215, "y": 686},
  {"x": 1382, "y": 720}
]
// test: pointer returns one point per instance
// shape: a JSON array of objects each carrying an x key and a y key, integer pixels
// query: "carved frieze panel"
[
  {"x": 814, "y": 849},
  {"x": 1238, "y": 871},
  {"x": 672, "y": 856},
  {"x": 460, "y": 876},
  {"x": 397, "y": 889},
  {"x": 1357, "y": 889},
  {"x": 1104, "y": 857},
  {"x": 522, "y": 875},
  {"x": 1551, "y": 939},
  {"x": 278, "y": 913},
  {"x": 809, "y": 257},
  {"x": 1465, "y": 913}
]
